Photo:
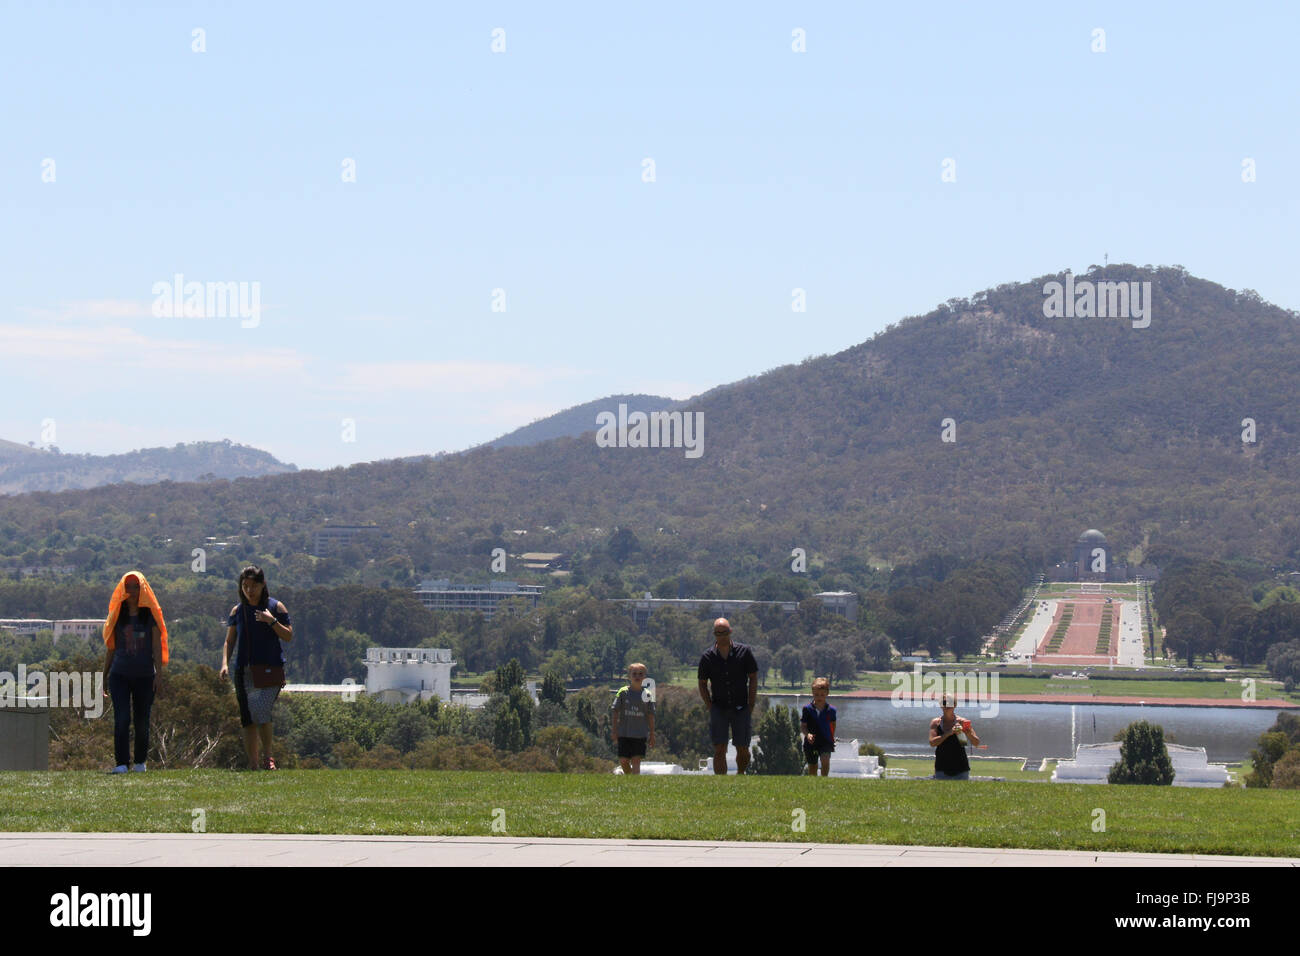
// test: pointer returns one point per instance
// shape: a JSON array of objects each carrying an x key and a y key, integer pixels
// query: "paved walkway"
[
  {"x": 215, "y": 849},
  {"x": 1132, "y": 653},
  {"x": 1035, "y": 631}
]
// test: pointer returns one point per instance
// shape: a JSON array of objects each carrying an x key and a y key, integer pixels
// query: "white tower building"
[{"x": 401, "y": 674}]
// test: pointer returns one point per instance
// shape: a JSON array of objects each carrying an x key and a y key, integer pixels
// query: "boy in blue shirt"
[{"x": 818, "y": 726}]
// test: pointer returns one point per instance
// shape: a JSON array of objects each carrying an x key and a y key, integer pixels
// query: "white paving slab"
[{"x": 199, "y": 849}]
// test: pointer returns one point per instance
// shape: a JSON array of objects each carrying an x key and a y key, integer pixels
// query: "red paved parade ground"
[{"x": 1079, "y": 649}]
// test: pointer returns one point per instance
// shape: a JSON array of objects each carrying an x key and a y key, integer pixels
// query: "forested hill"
[
  {"x": 572, "y": 422},
  {"x": 1060, "y": 424},
  {"x": 24, "y": 468}
]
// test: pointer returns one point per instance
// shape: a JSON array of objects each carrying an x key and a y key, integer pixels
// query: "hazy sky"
[{"x": 128, "y": 158}]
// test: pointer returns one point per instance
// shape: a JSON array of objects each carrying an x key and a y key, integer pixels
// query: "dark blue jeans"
[{"x": 131, "y": 696}]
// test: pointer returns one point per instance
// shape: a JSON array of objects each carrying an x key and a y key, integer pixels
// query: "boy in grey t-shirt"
[{"x": 632, "y": 719}]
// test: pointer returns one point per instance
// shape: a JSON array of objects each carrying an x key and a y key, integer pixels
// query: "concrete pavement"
[{"x": 217, "y": 849}]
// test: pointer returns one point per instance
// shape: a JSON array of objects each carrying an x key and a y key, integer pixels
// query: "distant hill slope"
[
  {"x": 23, "y": 468},
  {"x": 11, "y": 450},
  {"x": 1060, "y": 424},
  {"x": 573, "y": 422}
]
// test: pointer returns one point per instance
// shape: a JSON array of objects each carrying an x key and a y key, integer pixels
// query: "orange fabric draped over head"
[{"x": 147, "y": 599}]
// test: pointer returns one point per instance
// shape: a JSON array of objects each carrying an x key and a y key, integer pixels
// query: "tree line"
[
  {"x": 195, "y": 723},
  {"x": 1214, "y": 608}
]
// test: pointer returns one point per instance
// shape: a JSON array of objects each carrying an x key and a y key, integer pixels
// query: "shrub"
[
  {"x": 1286, "y": 772},
  {"x": 778, "y": 750},
  {"x": 872, "y": 750},
  {"x": 345, "y": 754},
  {"x": 1143, "y": 757},
  {"x": 382, "y": 757}
]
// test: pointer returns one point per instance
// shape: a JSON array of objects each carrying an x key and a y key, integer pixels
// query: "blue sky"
[{"x": 522, "y": 171}]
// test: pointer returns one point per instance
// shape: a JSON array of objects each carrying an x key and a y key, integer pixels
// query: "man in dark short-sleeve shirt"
[{"x": 728, "y": 678}]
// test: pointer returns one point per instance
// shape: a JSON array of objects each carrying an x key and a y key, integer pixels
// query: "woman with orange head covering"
[{"x": 135, "y": 635}]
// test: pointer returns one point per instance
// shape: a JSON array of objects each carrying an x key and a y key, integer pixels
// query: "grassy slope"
[{"x": 1054, "y": 816}]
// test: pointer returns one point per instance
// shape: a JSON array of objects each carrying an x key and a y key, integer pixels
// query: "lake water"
[{"x": 1049, "y": 730}]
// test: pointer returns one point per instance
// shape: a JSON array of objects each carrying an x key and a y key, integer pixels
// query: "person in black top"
[
  {"x": 948, "y": 736},
  {"x": 728, "y": 676},
  {"x": 258, "y": 623}
]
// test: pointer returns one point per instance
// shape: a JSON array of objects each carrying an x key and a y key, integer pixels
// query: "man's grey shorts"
[{"x": 724, "y": 719}]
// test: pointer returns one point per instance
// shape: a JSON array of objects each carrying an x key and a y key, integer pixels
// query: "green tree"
[
  {"x": 679, "y": 632},
  {"x": 681, "y": 724},
  {"x": 1143, "y": 756},
  {"x": 588, "y": 719},
  {"x": 658, "y": 661},
  {"x": 879, "y": 652},
  {"x": 778, "y": 750},
  {"x": 1283, "y": 661},
  {"x": 564, "y": 665},
  {"x": 410, "y": 727},
  {"x": 1190, "y": 634},
  {"x": 312, "y": 739},
  {"x": 1273, "y": 745},
  {"x": 553, "y": 687},
  {"x": 622, "y": 544},
  {"x": 521, "y": 702},
  {"x": 507, "y": 734},
  {"x": 789, "y": 662},
  {"x": 506, "y": 685},
  {"x": 508, "y": 675},
  {"x": 834, "y": 660}
]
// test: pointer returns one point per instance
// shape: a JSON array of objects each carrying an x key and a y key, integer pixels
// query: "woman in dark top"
[
  {"x": 948, "y": 737},
  {"x": 135, "y": 636},
  {"x": 257, "y": 624}
]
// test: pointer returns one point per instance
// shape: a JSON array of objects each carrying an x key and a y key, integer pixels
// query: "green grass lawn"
[
  {"x": 1008, "y": 769},
  {"x": 993, "y": 814},
  {"x": 1053, "y": 590}
]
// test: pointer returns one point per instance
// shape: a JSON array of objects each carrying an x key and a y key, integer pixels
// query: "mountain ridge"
[
  {"x": 26, "y": 468},
  {"x": 1058, "y": 424}
]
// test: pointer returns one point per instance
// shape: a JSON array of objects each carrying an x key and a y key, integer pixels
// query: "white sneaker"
[
  {"x": 120, "y": 768},
  {"x": 138, "y": 768}
]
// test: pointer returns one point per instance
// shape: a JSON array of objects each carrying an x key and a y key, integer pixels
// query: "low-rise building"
[
  {"x": 333, "y": 538},
  {"x": 83, "y": 628},
  {"x": 28, "y": 626},
  {"x": 543, "y": 562},
  {"x": 843, "y": 603},
  {"x": 442, "y": 595}
]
